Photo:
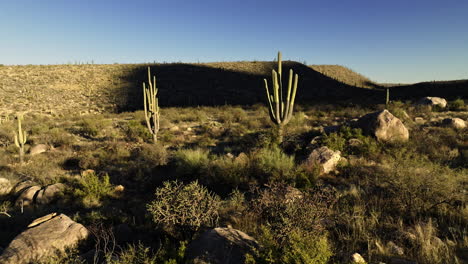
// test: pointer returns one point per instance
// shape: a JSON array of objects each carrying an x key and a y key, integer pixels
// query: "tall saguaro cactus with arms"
[
  {"x": 281, "y": 105},
  {"x": 20, "y": 139},
  {"x": 151, "y": 106}
]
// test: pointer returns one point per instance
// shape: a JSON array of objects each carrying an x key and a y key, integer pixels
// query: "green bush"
[
  {"x": 93, "y": 126},
  {"x": 298, "y": 249},
  {"x": 92, "y": 189},
  {"x": 136, "y": 131},
  {"x": 186, "y": 207},
  {"x": 191, "y": 161},
  {"x": 273, "y": 164},
  {"x": 457, "y": 105}
]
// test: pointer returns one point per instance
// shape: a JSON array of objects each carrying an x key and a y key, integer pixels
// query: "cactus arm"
[
  {"x": 293, "y": 96},
  {"x": 269, "y": 98},
  {"x": 276, "y": 97}
]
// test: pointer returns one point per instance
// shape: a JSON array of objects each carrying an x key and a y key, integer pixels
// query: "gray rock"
[
  {"x": 219, "y": 246},
  {"x": 44, "y": 239},
  {"x": 384, "y": 126},
  {"x": 38, "y": 149},
  {"x": 21, "y": 186},
  {"x": 324, "y": 157},
  {"x": 356, "y": 258},
  {"x": 456, "y": 123},
  {"x": 26, "y": 198},
  {"x": 431, "y": 101},
  {"x": 49, "y": 193},
  {"x": 419, "y": 120}
]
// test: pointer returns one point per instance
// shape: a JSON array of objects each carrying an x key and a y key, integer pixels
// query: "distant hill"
[
  {"x": 345, "y": 75},
  {"x": 58, "y": 89}
]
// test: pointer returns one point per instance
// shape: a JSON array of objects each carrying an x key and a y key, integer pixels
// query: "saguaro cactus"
[
  {"x": 387, "y": 96},
  {"x": 281, "y": 105},
  {"x": 151, "y": 106},
  {"x": 20, "y": 139}
]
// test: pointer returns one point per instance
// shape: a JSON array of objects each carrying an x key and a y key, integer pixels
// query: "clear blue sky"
[{"x": 388, "y": 41}]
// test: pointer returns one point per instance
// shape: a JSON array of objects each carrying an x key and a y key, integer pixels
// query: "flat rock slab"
[{"x": 44, "y": 239}]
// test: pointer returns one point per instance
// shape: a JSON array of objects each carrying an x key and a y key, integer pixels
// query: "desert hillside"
[{"x": 57, "y": 89}]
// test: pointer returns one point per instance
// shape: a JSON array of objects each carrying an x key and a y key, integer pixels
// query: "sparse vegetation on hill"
[{"x": 345, "y": 75}]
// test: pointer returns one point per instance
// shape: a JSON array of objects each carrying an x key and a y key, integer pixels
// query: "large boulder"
[
  {"x": 5, "y": 186},
  {"x": 27, "y": 197},
  {"x": 325, "y": 158},
  {"x": 456, "y": 123},
  {"x": 49, "y": 193},
  {"x": 432, "y": 101},
  {"x": 44, "y": 239},
  {"x": 38, "y": 149},
  {"x": 220, "y": 245},
  {"x": 384, "y": 126}
]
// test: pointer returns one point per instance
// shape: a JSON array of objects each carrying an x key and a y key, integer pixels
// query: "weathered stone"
[
  {"x": 27, "y": 197},
  {"x": 356, "y": 258},
  {"x": 45, "y": 239},
  {"x": 49, "y": 193},
  {"x": 384, "y": 126},
  {"x": 220, "y": 245},
  {"x": 21, "y": 186},
  {"x": 456, "y": 123},
  {"x": 38, "y": 149},
  {"x": 419, "y": 120},
  {"x": 5, "y": 186},
  {"x": 324, "y": 157},
  {"x": 431, "y": 101}
]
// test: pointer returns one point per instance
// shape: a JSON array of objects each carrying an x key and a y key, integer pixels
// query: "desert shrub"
[
  {"x": 292, "y": 229},
  {"x": 273, "y": 164},
  {"x": 93, "y": 126},
  {"x": 136, "y": 131},
  {"x": 427, "y": 247},
  {"x": 92, "y": 188},
  {"x": 150, "y": 155},
  {"x": 191, "y": 161},
  {"x": 110, "y": 156},
  {"x": 137, "y": 254},
  {"x": 56, "y": 137},
  {"x": 340, "y": 141},
  {"x": 299, "y": 249},
  {"x": 186, "y": 207},
  {"x": 227, "y": 171},
  {"x": 70, "y": 256},
  {"x": 457, "y": 105}
]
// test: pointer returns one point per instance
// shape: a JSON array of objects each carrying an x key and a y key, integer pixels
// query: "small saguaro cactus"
[
  {"x": 20, "y": 139},
  {"x": 387, "y": 96},
  {"x": 151, "y": 106},
  {"x": 281, "y": 105}
]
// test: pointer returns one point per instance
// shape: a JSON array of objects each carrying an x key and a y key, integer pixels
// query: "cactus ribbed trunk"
[{"x": 151, "y": 106}]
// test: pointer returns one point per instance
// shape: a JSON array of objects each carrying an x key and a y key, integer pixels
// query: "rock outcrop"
[
  {"x": 432, "y": 101},
  {"x": 220, "y": 245},
  {"x": 325, "y": 158},
  {"x": 44, "y": 239},
  {"x": 456, "y": 123},
  {"x": 384, "y": 126},
  {"x": 38, "y": 149}
]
